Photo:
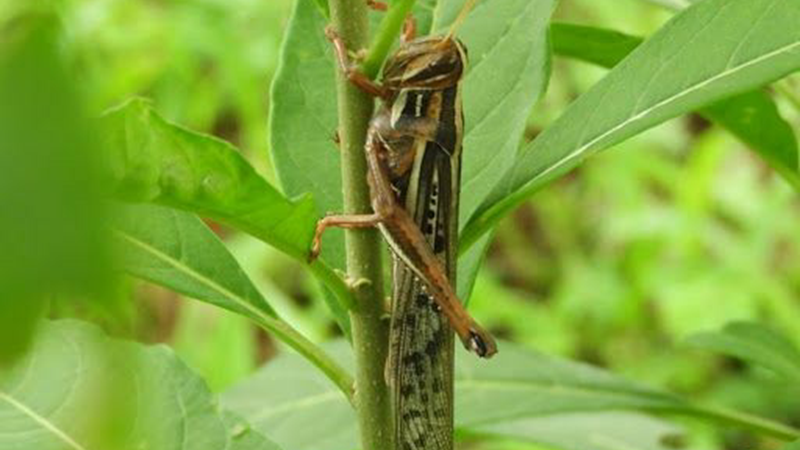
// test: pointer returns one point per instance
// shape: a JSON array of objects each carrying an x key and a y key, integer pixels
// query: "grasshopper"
[{"x": 413, "y": 154}]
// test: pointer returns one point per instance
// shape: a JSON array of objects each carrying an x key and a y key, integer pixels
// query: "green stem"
[
  {"x": 387, "y": 34},
  {"x": 363, "y": 247},
  {"x": 283, "y": 331}
]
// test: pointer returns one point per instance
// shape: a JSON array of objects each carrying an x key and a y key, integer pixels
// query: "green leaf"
[
  {"x": 51, "y": 220},
  {"x": 522, "y": 383},
  {"x": 605, "y": 48},
  {"x": 793, "y": 446},
  {"x": 155, "y": 161},
  {"x": 508, "y": 71},
  {"x": 756, "y": 344},
  {"x": 589, "y": 431},
  {"x": 80, "y": 390},
  {"x": 243, "y": 437},
  {"x": 285, "y": 396},
  {"x": 158, "y": 162},
  {"x": 509, "y": 47},
  {"x": 673, "y": 4},
  {"x": 177, "y": 250},
  {"x": 710, "y": 51},
  {"x": 517, "y": 385},
  {"x": 303, "y": 120},
  {"x": 752, "y": 117}
]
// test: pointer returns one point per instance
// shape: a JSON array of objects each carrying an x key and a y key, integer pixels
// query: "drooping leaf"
[
  {"x": 177, "y": 250},
  {"x": 154, "y": 161},
  {"x": 710, "y": 51},
  {"x": 752, "y": 117},
  {"x": 756, "y": 344},
  {"x": 80, "y": 390},
  {"x": 51, "y": 220},
  {"x": 605, "y": 48},
  {"x": 158, "y": 162}
]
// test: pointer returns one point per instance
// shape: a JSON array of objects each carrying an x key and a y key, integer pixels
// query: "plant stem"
[
  {"x": 387, "y": 33},
  {"x": 370, "y": 330}
]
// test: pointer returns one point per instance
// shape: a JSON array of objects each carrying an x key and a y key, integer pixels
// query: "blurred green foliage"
[
  {"x": 51, "y": 231},
  {"x": 678, "y": 231}
]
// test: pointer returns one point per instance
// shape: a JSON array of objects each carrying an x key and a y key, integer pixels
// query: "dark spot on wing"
[
  {"x": 438, "y": 244},
  {"x": 406, "y": 390},
  {"x": 432, "y": 348}
]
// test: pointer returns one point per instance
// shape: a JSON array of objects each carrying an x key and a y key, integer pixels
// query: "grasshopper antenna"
[{"x": 460, "y": 19}]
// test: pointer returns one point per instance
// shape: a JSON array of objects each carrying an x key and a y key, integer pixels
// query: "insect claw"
[
  {"x": 331, "y": 34},
  {"x": 313, "y": 254},
  {"x": 481, "y": 343}
]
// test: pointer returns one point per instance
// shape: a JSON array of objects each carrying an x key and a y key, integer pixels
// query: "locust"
[{"x": 413, "y": 153}]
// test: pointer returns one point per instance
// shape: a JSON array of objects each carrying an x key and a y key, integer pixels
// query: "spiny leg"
[
  {"x": 342, "y": 221},
  {"x": 354, "y": 75}
]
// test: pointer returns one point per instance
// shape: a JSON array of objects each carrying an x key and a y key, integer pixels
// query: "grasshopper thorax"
[{"x": 433, "y": 62}]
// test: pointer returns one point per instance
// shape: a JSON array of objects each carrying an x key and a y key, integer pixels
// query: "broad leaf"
[
  {"x": 793, "y": 446},
  {"x": 158, "y": 162},
  {"x": 605, "y": 48},
  {"x": 673, "y": 4},
  {"x": 509, "y": 66},
  {"x": 155, "y": 161},
  {"x": 80, "y": 390},
  {"x": 303, "y": 119},
  {"x": 51, "y": 220},
  {"x": 178, "y": 251},
  {"x": 708, "y": 52},
  {"x": 752, "y": 117},
  {"x": 756, "y": 344},
  {"x": 508, "y": 46},
  {"x": 590, "y": 431},
  {"x": 285, "y": 396}
]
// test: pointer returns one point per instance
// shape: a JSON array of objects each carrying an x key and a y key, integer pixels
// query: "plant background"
[{"x": 676, "y": 231}]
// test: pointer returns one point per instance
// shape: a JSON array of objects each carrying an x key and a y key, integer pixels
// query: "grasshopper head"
[{"x": 434, "y": 62}]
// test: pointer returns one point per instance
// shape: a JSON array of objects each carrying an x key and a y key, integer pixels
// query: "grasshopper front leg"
[
  {"x": 350, "y": 70},
  {"x": 342, "y": 221}
]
